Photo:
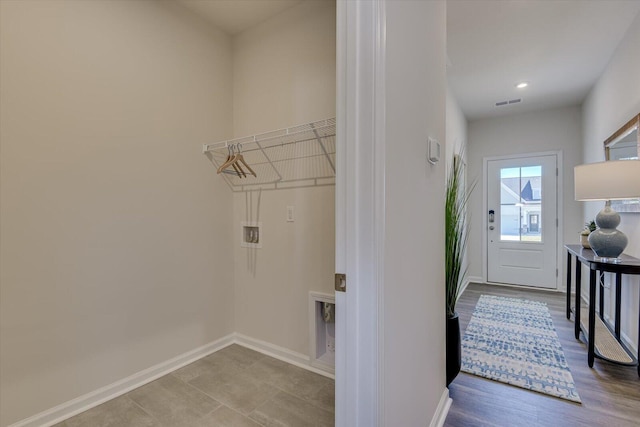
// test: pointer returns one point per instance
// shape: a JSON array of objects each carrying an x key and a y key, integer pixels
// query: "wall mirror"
[{"x": 624, "y": 144}]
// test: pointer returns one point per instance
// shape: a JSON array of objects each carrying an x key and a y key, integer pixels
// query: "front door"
[{"x": 522, "y": 223}]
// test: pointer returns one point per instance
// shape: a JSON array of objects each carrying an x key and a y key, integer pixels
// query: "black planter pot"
[{"x": 454, "y": 349}]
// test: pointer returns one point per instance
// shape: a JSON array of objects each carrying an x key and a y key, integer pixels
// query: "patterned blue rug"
[{"x": 513, "y": 341}]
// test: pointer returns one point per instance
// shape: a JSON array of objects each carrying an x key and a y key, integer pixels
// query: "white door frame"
[
  {"x": 360, "y": 210},
  {"x": 559, "y": 204}
]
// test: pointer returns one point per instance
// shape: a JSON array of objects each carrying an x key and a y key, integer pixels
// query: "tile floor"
[{"x": 234, "y": 387}]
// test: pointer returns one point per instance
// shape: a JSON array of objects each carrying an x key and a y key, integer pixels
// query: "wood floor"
[{"x": 610, "y": 394}]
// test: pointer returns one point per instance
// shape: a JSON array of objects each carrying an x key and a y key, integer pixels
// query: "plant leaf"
[{"x": 456, "y": 231}]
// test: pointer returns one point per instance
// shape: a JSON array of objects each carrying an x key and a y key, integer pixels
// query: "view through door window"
[{"x": 521, "y": 204}]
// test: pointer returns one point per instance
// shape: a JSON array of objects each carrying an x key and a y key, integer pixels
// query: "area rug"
[{"x": 513, "y": 341}]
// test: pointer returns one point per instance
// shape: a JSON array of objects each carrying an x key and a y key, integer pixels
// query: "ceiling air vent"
[{"x": 508, "y": 102}]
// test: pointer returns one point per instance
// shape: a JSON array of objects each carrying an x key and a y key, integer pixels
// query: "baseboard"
[
  {"x": 628, "y": 342},
  {"x": 92, "y": 399},
  {"x": 281, "y": 353},
  {"x": 624, "y": 337},
  {"x": 470, "y": 279},
  {"x": 442, "y": 410},
  {"x": 480, "y": 280},
  {"x": 473, "y": 279},
  {"x": 80, "y": 404}
]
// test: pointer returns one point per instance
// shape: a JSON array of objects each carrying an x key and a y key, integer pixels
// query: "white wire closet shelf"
[{"x": 299, "y": 156}]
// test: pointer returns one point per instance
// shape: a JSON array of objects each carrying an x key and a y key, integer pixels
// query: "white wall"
[
  {"x": 413, "y": 298},
  {"x": 613, "y": 101},
  {"x": 284, "y": 75},
  {"x": 285, "y": 70},
  {"x": 456, "y": 125},
  {"x": 456, "y": 128},
  {"x": 115, "y": 231},
  {"x": 549, "y": 130}
]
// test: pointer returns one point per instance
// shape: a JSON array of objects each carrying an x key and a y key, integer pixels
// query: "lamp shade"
[{"x": 612, "y": 180}]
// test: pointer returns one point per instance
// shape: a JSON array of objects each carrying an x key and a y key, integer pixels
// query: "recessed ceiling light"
[{"x": 522, "y": 85}]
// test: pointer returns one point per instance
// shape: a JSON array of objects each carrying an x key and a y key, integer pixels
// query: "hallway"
[{"x": 609, "y": 393}]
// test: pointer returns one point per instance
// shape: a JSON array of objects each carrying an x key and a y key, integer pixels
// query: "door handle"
[{"x": 492, "y": 215}]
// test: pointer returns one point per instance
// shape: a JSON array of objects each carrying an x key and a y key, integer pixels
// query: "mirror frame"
[
  {"x": 627, "y": 128},
  {"x": 634, "y": 123}
]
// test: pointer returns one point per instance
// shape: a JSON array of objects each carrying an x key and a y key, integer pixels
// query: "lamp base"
[{"x": 607, "y": 242}]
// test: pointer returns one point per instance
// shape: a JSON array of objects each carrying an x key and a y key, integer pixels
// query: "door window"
[{"x": 521, "y": 204}]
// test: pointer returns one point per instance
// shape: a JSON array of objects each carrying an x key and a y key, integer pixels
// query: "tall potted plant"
[{"x": 456, "y": 234}]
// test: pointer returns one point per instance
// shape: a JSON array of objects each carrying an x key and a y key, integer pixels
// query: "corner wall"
[
  {"x": 613, "y": 101},
  {"x": 413, "y": 312},
  {"x": 457, "y": 144},
  {"x": 284, "y": 75},
  {"x": 456, "y": 128},
  {"x": 115, "y": 231}
]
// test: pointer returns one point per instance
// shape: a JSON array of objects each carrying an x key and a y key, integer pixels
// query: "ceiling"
[
  {"x": 559, "y": 47},
  {"x": 235, "y": 16}
]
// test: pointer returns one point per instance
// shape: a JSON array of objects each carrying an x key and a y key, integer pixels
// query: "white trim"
[
  {"x": 442, "y": 410},
  {"x": 379, "y": 197},
  {"x": 342, "y": 59},
  {"x": 320, "y": 296},
  {"x": 360, "y": 205},
  {"x": 623, "y": 336},
  {"x": 559, "y": 211},
  {"x": 584, "y": 297},
  {"x": 292, "y": 357},
  {"x": 560, "y": 265},
  {"x": 473, "y": 279},
  {"x": 485, "y": 193},
  {"x": 341, "y": 211},
  {"x": 464, "y": 285},
  {"x": 94, "y": 398},
  {"x": 628, "y": 342},
  {"x": 469, "y": 279},
  {"x": 530, "y": 288}
]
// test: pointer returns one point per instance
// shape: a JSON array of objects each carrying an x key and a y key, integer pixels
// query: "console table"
[{"x": 610, "y": 345}]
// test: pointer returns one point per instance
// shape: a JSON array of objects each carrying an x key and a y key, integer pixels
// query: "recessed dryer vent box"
[
  {"x": 251, "y": 235},
  {"x": 322, "y": 329}
]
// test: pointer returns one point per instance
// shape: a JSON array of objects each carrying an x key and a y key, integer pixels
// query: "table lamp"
[{"x": 611, "y": 180}]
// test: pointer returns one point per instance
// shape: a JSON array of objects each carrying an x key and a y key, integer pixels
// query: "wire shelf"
[{"x": 299, "y": 156}]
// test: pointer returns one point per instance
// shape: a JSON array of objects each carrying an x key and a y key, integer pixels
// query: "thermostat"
[{"x": 433, "y": 154}]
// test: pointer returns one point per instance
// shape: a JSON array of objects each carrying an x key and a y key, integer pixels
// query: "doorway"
[{"x": 522, "y": 220}]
